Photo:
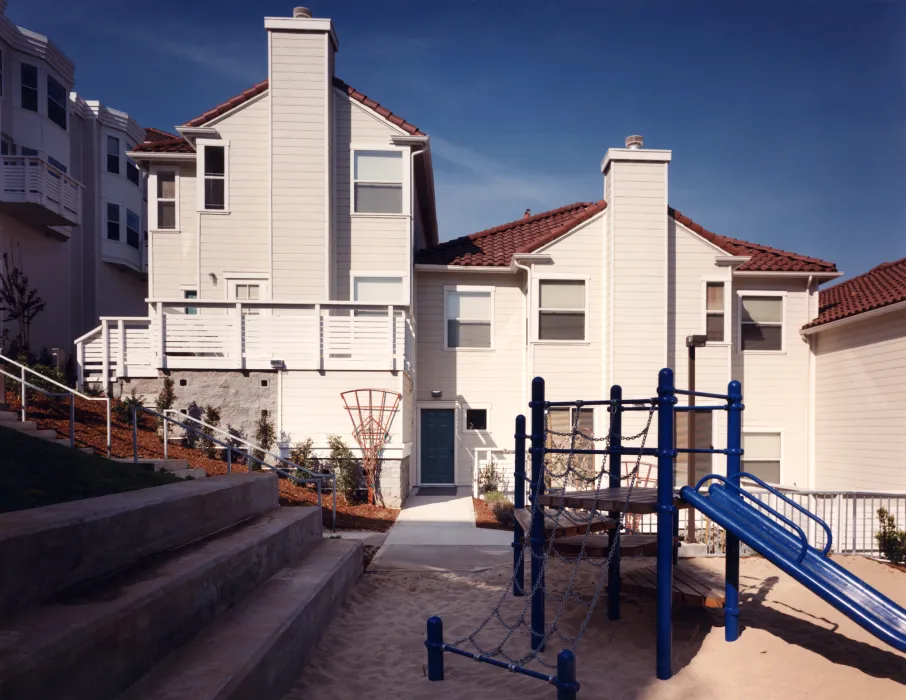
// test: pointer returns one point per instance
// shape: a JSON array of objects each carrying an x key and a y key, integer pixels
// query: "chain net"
[{"x": 561, "y": 473}]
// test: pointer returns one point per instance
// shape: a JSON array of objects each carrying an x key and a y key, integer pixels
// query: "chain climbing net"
[{"x": 576, "y": 470}]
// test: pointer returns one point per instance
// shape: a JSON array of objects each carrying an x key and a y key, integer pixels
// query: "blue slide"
[{"x": 737, "y": 511}]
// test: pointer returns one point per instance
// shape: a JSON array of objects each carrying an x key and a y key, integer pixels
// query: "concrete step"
[
  {"x": 159, "y": 465},
  {"x": 26, "y": 427},
  {"x": 58, "y": 546},
  {"x": 258, "y": 649},
  {"x": 190, "y": 474},
  {"x": 8, "y": 416},
  {"x": 97, "y": 641}
]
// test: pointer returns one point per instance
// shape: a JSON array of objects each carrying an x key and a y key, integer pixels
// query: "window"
[
  {"x": 29, "y": 93},
  {"x": 26, "y": 151},
  {"x": 132, "y": 229},
  {"x": 214, "y": 178},
  {"x": 561, "y": 310},
  {"x": 761, "y": 323},
  {"x": 560, "y": 424},
  {"x": 57, "y": 164},
  {"x": 714, "y": 311},
  {"x": 248, "y": 292},
  {"x": 113, "y": 155},
  {"x": 113, "y": 222},
  {"x": 476, "y": 419},
  {"x": 378, "y": 182},
  {"x": 166, "y": 200},
  {"x": 56, "y": 102},
  {"x": 190, "y": 310},
  {"x": 388, "y": 290},
  {"x": 761, "y": 455},
  {"x": 7, "y": 147},
  {"x": 468, "y": 319},
  {"x": 132, "y": 172},
  {"x": 1, "y": 73}
]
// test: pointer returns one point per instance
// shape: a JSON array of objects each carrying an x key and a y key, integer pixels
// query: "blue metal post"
[
  {"x": 566, "y": 676},
  {"x": 435, "y": 644},
  {"x": 734, "y": 453},
  {"x": 616, "y": 470},
  {"x": 537, "y": 538},
  {"x": 665, "y": 508},
  {"x": 519, "y": 501}
]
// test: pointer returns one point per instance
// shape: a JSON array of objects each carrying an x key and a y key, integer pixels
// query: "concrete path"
[{"x": 438, "y": 533}]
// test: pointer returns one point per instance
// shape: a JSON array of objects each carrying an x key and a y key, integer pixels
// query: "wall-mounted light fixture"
[
  {"x": 278, "y": 364},
  {"x": 436, "y": 393},
  {"x": 213, "y": 277}
]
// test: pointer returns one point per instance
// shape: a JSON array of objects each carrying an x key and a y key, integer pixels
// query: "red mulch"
[
  {"x": 91, "y": 431},
  {"x": 484, "y": 517}
]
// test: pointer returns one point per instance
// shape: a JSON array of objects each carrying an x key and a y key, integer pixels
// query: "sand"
[{"x": 793, "y": 644}]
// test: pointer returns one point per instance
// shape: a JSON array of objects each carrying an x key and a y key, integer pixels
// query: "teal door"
[{"x": 438, "y": 434}]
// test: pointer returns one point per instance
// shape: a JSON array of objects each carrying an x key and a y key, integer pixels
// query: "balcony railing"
[
  {"x": 40, "y": 193},
  {"x": 248, "y": 336}
]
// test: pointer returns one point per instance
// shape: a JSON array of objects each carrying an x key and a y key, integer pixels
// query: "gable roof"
[
  {"x": 762, "y": 258},
  {"x": 881, "y": 286},
  {"x": 152, "y": 134},
  {"x": 495, "y": 247}
]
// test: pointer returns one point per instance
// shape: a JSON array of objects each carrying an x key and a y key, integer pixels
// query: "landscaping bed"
[{"x": 485, "y": 518}]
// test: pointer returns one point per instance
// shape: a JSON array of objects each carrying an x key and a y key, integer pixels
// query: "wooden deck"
[
  {"x": 566, "y": 524},
  {"x": 642, "y": 500},
  {"x": 691, "y": 585},
  {"x": 598, "y": 546}
]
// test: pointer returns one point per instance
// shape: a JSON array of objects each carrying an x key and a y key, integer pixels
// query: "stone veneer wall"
[
  {"x": 240, "y": 396},
  {"x": 394, "y": 482}
]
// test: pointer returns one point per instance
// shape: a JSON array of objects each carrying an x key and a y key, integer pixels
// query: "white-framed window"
[
  {"x": 113, "y": 221},
  {"x": 476, "y": 418},
  {"x": 29, "y": 87},
  {"x": 57, "y": 164},
  {"x": 561, "y": 421},
  {"x": 468, "y": 318},
  {"x": 763, "y": 454},
  {"x": 214, "y": 165},
  {"x": 7, "y": 147},
  {"x": 190, "y": 294},
  {"x": 378, "y": 288},
  {"x": 133, "y": 226},
  {"x": 377, "y": 181},
  {"x": 247, "y": 286},
  {"x": 715, "y": 312},
  {"x": 561, "y": 309},
  {"x": 760, "y": 322},
  {"x": 113, "y": 155},
  {"x": 132, "y": 173},
  {"x": 56, "y": 102},
  {"x": 26, "y": 151},
  {"x": 166, "y": 206}
]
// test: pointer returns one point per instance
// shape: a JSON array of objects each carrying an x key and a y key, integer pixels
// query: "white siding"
[
  {"x": 363, "y": 243},
  {"x": 860, "y": 405},
  {"x": 299, "y": 117},
  {"x": 174, "y": 254},
  {"x": 478, "y": 378},
  {"x": 238, "y": 241}
]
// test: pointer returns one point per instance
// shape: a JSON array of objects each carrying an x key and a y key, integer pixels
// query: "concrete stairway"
[
  {"x": 200, "y": 589},
  {"x": 10, "y": 419}
]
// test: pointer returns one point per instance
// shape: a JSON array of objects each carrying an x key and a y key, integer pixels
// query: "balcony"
[
  {"x": 40, "y": 195},
  {"x": 265, "y": 335}
]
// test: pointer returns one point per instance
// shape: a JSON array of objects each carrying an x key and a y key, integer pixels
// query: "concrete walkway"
[{"x": 438, "y": 533}]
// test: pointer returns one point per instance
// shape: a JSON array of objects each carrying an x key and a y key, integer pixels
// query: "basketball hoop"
[{"x": 371, "y": 412}]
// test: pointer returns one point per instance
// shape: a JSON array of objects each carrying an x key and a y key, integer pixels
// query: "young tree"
[{"x": 19, "y": 302}]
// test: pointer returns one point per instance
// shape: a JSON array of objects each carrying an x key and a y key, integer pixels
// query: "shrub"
[
  {"x": 891, "y": 542},
  {"x": 236, "y": 433},
  {"x": 207, "y": 446},
  {"x": 494, "y": 496},
  {"x": 344, "y": 465},
  {"x": 51, "y": 372},
  {"x": 504, "y": 510},
  {"x": 93, "y": 390},
  {"x": 302, "y": 453},
  {"x": 489, "y": 477},
  {"x": 265, "y": 435},
  {"x": 123, "y": 408},
  {"x": 190, "y": 439},
  {"x": 164, "y": 402}
]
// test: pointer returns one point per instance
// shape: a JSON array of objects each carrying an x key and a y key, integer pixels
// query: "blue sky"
[{"x": 787, "y": 119}]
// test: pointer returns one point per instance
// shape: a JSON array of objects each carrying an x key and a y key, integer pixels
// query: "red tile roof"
[
  {"x": 152, "y": 134},
  {"x": 176, "y": 144},
  {"x": 231, "y": 103},
  {"x": 763, "y": 258},
  {"x": 377, "y": 107},
  {"x": 879, "y": 287},
  {"x": 495, "y": 246}
]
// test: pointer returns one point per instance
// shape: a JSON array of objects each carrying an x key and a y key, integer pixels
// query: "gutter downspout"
[
  {"x": 810, "y": 413},
  {"x": 528, "y": 359}
]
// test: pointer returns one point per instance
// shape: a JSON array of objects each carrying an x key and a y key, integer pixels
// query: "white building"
[
  {"x": 294, "y": 255},
  {"x": 56, "y": 191}
]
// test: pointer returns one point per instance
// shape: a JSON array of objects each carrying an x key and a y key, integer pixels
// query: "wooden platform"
[
  {"x": 642, "y": 500},
  {"x": 565, "y": 524},
  {"x": 598, "y": 546},
  {"x": 691, "y": 585}
]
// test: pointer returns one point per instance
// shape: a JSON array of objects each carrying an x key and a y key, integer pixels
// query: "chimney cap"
[
  {"x": 634, "y": 141},
  {"x": 301, "y": 13},
  {"x": 527, "y": 214}
]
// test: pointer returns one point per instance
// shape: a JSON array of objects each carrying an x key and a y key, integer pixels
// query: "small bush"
[
  {"x": 190, "y": 439},
  {"x": 891, "y": 542},
  {"x": 265, "y": 435},
  {"x": 489, "y": 477},
  {"x": 344, "y": 465},
  {"x": 302, "y": 453},
  {"x": 494, "y": 496},
  {"x": 164, "y": 402},
  {"x": 93, "y": 390},
  {"x": 122, "y": 409},
  {"x": 207, "y": 446},
  {"x": 504, "y": 510},
  {"x": 238, "y": 444}
]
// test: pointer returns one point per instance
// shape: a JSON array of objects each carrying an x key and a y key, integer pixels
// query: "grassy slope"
[{"x": 36, "y": 473}]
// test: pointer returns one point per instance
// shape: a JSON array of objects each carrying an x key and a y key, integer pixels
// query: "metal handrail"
[
  {"x": 318, "y": 478},
  {"x": 50, "y": 395},
  {"x": 69, "y": 390}
]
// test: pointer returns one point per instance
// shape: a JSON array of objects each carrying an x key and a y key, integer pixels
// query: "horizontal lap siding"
[
  {"x": 860, "y": 405},
  {"x": 299, "y": 116},
  {"x": 238, "y": 241},
  {"x": 488, "y": 378},
  {"x": 175, "y": 255},
  {"x": 362, "y": 244}
]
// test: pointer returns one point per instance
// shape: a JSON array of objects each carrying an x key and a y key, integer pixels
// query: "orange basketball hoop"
[{"x": 371, "y": 412}]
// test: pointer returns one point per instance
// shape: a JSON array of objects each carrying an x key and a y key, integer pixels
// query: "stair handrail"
[
  {"x": 317, "y": 478},
  {"x": 69, "y": 390},
  {"x": 747, "y": 475},
  {"x": 49, "y": 395}
]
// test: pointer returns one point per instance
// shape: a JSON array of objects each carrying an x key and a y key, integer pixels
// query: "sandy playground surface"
[{"x": 793, "y": 644}]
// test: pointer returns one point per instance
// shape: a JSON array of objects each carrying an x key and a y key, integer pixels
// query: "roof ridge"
[
  {"x": 581, "y": 217},
  {"x": 866, "y": 275},
  {"x": 520, "y": 222}
]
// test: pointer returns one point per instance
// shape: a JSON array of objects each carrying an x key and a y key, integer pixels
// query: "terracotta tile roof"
[
  {"x": 495, "y": 246},
  {"x": 377, "y": 107},
  {"x": 175, "y": 144},
  {"x": 879, "y": 287},
  {"x": 231, "y": 103},
  {"x": 763, "y": 258},
  {"x": 152, "y": 134}
]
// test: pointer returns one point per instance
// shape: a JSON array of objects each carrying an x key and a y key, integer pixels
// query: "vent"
[
  {"x": 301, "y": 13},
  {"x": 635, "y": 141}
]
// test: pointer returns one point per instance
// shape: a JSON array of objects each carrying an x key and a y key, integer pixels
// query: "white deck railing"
[
  {"x": 30, "y": 179},
  {"x": 248, "y": 336}
]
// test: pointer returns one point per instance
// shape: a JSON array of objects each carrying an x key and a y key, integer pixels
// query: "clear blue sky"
[{"x": 787, "y": 119}]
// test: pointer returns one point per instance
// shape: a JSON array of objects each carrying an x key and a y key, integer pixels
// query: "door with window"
[{"x": 438, "y": 435}]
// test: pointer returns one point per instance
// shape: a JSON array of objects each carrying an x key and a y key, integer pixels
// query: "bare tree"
[{"x": 18, "y": 302}]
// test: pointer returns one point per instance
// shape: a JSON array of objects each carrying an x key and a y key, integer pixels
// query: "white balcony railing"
[
  {"x": 248, "y": 336},
  {"x": 32, "y": 180}
]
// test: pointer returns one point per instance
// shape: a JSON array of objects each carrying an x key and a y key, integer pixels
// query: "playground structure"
[
  {"x": 726, "y": 503},
  {"x": 371, "y": 412}
]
